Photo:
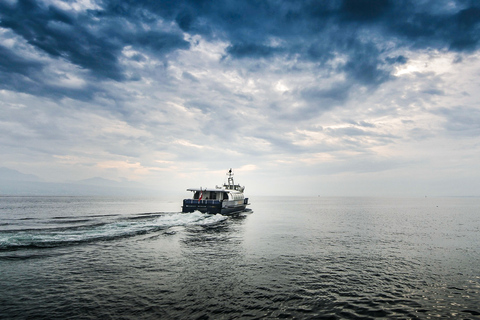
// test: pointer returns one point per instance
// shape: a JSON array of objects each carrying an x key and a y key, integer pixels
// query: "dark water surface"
[{"x": 302, "y": 258}]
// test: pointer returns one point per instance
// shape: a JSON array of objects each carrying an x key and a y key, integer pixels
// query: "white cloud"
[{"x": 432, "y": 61}]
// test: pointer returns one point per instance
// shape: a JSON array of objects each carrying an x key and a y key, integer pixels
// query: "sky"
[{"x": 303, "y": 98}]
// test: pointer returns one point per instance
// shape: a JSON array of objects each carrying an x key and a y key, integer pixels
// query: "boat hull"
[{"x": 211, "y": 207}]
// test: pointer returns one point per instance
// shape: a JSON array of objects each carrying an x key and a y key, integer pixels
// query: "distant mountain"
[
  {"x": 101, "y": 182},
  {"x": 14, "y": 175},
  {"x": 97, "y": 181},
  {"x": 13, "y": 182}
]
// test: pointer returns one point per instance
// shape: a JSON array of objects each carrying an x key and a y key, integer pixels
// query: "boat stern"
[{"x": 205, "y": 206}]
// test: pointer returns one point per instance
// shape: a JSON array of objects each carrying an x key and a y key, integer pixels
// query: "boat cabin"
[{"x": 216, "y": 194}]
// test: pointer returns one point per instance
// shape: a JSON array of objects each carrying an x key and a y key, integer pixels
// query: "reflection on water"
[{"x": 291, "y": 258}]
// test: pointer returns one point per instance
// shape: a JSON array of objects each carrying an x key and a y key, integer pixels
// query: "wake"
[{"x": 102, "y": 231}]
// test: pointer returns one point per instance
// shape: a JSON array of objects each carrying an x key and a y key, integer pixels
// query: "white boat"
[{"x": 227, "y": 199}]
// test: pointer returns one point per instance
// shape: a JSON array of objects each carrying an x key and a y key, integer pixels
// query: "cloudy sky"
[{"x": 334, "y": 98}]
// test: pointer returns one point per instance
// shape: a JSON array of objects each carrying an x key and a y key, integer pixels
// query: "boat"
[{"x": 226, "y": 200}]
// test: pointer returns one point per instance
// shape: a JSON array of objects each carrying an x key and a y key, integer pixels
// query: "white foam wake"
[
  {"x": 110, "y": 230},
  {"x": 184, "y": 219}
]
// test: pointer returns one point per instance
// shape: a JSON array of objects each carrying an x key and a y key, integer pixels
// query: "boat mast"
[{"x": 231, "y": 184}]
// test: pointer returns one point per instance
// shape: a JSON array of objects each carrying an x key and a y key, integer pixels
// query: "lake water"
[{"x": 293, "y": 258}]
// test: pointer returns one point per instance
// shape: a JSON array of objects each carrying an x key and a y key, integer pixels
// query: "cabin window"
[{"x": 225, "y": 196}]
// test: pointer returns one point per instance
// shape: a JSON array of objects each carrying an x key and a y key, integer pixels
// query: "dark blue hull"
[{"x": 210, "y": 206}]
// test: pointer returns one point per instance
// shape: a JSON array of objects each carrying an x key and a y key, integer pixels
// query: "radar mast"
[{"x": 231, "y": 184}]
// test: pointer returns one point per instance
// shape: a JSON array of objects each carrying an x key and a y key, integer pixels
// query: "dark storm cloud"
[
  {"x": 317, "y": 31},
  {"x": 20, "y": 74},
  {"x": 457, "y": 31},
  {"x": 92, "y": 40},
  {"x": 364, "y": 10},
  {"x": 251, "y": 50},
  {"x": 58, "y": 34},
  {"x": 396, "y": 60},
  {"x": 247, "y": 24},
  {"x": 11, "y": 63},
  {"x": 313, "y": 31}
]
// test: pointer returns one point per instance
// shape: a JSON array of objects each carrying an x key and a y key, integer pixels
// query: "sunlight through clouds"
[{"x": 435, "y": 62}]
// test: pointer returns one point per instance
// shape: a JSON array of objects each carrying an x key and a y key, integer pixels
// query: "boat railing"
[{"x": 196, "y": 201}]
